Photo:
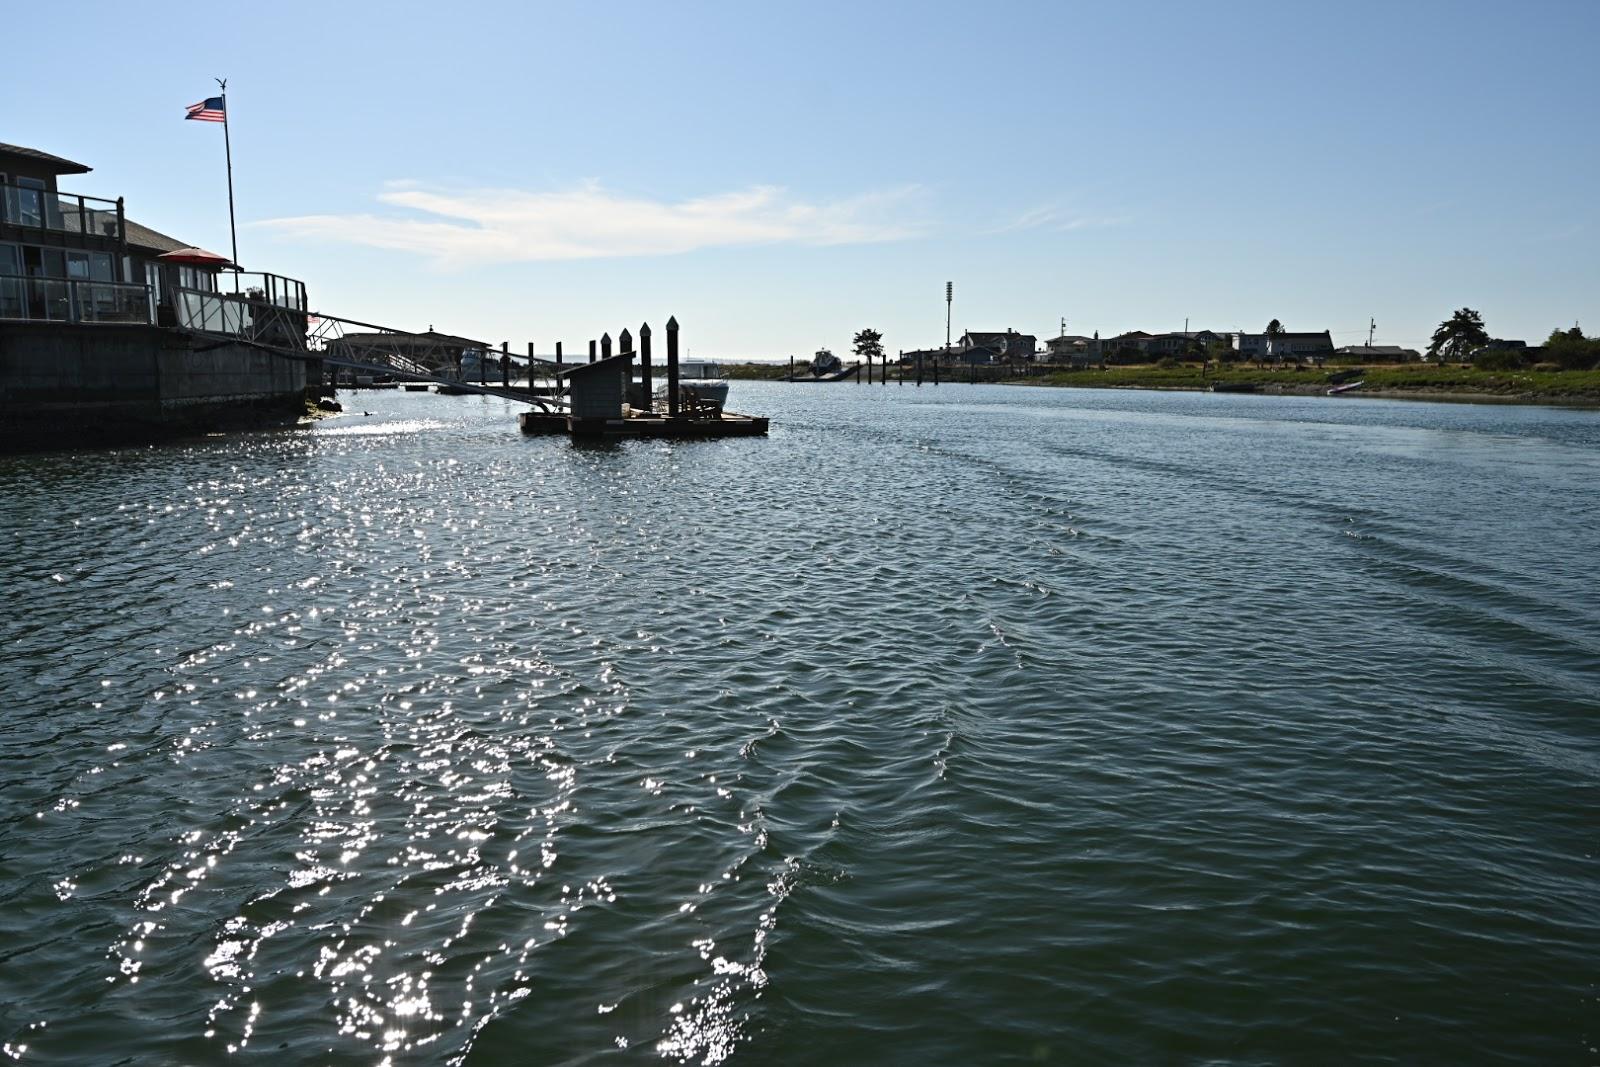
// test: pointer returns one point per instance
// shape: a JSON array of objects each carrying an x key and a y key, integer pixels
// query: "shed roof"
[
  {"x": 59, "y": 165},
  {"x": 611, "y": 363}
]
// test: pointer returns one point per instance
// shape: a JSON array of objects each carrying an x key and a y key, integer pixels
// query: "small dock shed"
[{"x": 600, "y": 390}]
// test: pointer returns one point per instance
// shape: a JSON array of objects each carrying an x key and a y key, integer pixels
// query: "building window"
[
  {"x": 89, "y": 266},
  {"x": 29, "y": 201}
]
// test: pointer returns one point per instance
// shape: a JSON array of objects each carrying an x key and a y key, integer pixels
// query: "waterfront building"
[
  {"x": 67, "y": 257},
  {"x": 109, "y": 328},
  {"x": 1071, "y": 348},
  {"x": 1294, "y": 347},
  {"x": 1181, "y": 343},
  {"x": 1130, "y": 347},
  {"x": 63, "y": 257},
  {"x": 1379, "y": 353},
  {"x": 996, "y": 347}
]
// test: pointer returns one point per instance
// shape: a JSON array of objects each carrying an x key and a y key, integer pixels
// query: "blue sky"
[{"x": 779, "y": 176}]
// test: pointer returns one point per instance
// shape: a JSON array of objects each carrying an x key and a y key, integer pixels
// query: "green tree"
[
  {"x": 1222, "y": 351},
  {"x": 1457, "y": 337},
  {"x": 1274, "y": 328},
  {"x": 869, "y": 345},
  {"x": 1570, "y": 350}
]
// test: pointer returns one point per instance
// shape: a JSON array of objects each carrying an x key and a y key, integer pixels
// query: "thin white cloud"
[
  {"x": 1050, "y": 217},
  {"x": 488, "y": 226}
]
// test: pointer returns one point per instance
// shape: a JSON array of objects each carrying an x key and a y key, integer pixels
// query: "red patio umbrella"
[{"x": 196, "y": 257}]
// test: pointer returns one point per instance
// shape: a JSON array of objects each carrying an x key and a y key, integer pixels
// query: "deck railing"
[
  {"x": 23, "y": 205},
  {"x": 24, "y": 299},
  {"x": 213, "y": 312},
  {"x": 274, "y": 289}
]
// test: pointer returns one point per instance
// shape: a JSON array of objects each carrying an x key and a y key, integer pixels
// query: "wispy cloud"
[
  {"x": 488, "y": 226},
  {"x": 1052, "y": 217}
]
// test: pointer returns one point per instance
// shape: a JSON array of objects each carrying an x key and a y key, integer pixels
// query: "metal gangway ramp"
[{"x": 273, "y": 317}]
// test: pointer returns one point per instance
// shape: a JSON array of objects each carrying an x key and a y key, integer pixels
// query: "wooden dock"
[{"x": 642, "y": 425}]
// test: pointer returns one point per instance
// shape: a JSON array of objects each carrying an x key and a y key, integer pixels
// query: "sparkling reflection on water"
[{"x": 969, "y": 724}]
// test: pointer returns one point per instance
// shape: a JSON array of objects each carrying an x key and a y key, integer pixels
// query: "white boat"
[
  {"x": 825, "y": 362},
  {"x": 706, "y": 380}
]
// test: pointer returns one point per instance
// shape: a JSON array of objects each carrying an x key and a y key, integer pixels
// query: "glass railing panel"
[
  {"x": 13, "y": 300},
  {"x": 213, "y": 313},
  {"x": 112, "y": 302},
  {"x": 50, "y": 300},
  {"x": 69, "y": 300},
  {"x": 59, "y": 212}
]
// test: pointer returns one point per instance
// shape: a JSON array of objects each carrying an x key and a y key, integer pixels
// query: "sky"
[{"x": 780, "y": 176}]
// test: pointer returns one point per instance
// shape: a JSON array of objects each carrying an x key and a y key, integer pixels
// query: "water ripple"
[{"x": 955, "y": 725}]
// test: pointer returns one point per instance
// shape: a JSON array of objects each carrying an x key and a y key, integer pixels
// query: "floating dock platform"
[{"x": 642, "y": 425}]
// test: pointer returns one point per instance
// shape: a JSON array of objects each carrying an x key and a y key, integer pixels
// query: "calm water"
[{"x": 961, "y": 725}]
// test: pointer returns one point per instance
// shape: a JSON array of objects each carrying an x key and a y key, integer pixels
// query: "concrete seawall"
[{"x": 63, "y": 384}]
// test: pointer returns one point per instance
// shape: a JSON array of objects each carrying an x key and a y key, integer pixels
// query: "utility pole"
[
  {"x": 1371, "y": 329},
  {"x": 949, "y": 295}
]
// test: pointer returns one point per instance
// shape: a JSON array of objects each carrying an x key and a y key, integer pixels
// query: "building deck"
[{"x": 728, "y": 424}]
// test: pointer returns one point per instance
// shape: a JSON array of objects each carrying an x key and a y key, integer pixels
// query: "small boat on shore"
[
  {"x": 825, "y": 362},
  {"x": 1348, "y": 387},
  {"x": 1235, "y": 387}
]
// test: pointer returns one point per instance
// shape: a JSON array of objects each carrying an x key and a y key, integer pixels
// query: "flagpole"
[{"x": 227, "y": 147}]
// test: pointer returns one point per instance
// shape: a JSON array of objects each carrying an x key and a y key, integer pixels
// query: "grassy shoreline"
[
  {"x": 1401, "y": 381},
  {"x": 1412, "y": 381}
]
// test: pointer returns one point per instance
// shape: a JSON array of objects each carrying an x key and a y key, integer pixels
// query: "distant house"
[
  {"x": 1007, "y": 347},
  {"x": 1527, "y": 353},
  {"x": 1130, "y": 347},
  {"x": 1070, "y": 348},
  {"x": 1379, "y": 353},
  {"x": 1276, "y": 348},
  {"x": 1183, "y": 342}
]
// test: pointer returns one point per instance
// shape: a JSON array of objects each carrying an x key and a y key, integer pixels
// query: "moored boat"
[{"x": 705, "y": 380}]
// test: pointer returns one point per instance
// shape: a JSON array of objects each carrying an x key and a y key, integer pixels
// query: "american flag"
[{"x": 211, "y": 109}]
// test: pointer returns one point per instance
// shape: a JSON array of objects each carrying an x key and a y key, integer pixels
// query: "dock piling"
[
  {"x": 644, "y": 367},
  {"x": 605, "y": 346},
  {"x": 672, "y": 367}
]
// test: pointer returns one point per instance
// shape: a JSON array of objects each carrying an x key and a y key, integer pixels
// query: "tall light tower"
[{"x": 949, "y": 295}]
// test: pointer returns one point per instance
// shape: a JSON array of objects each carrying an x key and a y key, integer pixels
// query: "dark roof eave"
[
  {"x": 619, "y": 359},
  {"x": 61, "y": 166}
]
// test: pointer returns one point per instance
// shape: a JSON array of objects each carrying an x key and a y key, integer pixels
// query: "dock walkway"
[{"x": 724, "y": 424}]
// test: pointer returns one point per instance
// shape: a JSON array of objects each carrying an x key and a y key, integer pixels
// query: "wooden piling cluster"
[{"x": 600, "y": 397}]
